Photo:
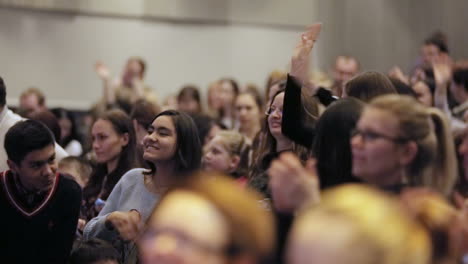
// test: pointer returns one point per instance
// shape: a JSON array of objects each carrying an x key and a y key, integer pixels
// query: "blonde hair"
[
  {"x": 236, "y": 145},
  {"x": 435, "y": 163},
  {"x": 35, "y": 91},
  {"x": 251, "y": 227},
  {"x": 374, "y": 227},
  {"x": 441, "y": 220}
]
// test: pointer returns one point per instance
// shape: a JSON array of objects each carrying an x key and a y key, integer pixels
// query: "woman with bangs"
[{"x": 273, "y": 142}]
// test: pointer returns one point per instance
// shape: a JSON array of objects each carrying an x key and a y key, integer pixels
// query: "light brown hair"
[{"x": 435, "y": 163}]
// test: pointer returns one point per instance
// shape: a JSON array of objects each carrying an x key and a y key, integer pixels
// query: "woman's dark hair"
[
  {"x": 264, "y": 151},
  {"x": 401, "y": 87},
  {"x": 368, "y": 85},
  {"x": 331, "y": 146},
  {"x": 48, "y": 119},
  {"x": 94, "y": 251},
  {"x": 144, "y": 112},
  {"x": 190, "y": 91},
  {"x": 2, "y": 92},
  {"x": 24, "y": 137},
  {"x": 233, "y": 83},
  {"x": 256, "y": 96},
  {"x": 460, "y": 76},
  {"x": 204, "y": 123},
  {"x": 281, "y": 86},
  {"x": 122, "y": 124},
  {"x": 438, "y": 41},
  {"x": 235, "y": 90},
  {"x": 62, "y": 113},
  {"x": 188, "y": 149}
]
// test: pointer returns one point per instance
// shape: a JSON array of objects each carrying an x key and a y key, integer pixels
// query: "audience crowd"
[{"x": 357, "y": 167}]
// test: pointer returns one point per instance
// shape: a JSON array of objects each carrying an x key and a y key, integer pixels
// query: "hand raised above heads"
[
  {"x": 102, "y": 71},
  {"x": 300, "y": 58}
]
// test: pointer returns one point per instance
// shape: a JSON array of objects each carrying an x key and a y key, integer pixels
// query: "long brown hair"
[
  {"x": 121, "y": 124},
  {"x": 265, "y": 145}
]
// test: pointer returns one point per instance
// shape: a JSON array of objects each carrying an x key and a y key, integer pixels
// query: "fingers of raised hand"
[{"x": 313, "y": 31}]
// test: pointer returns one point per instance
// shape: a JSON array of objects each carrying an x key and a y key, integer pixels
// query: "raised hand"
[
  {"x": 293, "y": 185},
  {"x": 397, "y": 73},
  {"x": 127, "y": 224},
  {"x": 102, "y": 71},
  {"x": 442, "y": 72},
  {"x": 300, "y": 58}
]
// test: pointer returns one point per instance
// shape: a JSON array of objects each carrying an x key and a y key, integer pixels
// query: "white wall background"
[
  {"x": 56, "y": 52},
  {"x": 54, "y": 43}
]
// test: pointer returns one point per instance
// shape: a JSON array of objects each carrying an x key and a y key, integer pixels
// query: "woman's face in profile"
[
  {"x": 178, "y": 232},
  {"x": 375, "y": 148}
]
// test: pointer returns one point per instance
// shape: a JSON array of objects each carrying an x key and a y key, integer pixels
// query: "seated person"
[{"x": 39, "y": 206}]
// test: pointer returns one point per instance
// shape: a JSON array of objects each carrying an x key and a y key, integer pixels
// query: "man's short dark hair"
[
  {"x": 24, "y": 137},
  {"x": 439, "y": 43},
  {"x": 2, "y": 93},
  {"x": 92, "y": 251}
]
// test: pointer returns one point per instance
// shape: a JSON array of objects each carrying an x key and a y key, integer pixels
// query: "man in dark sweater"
[{"x": 39, "y": 207}]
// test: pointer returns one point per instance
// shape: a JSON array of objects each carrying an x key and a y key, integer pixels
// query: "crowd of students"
[{"x": 364, "y": 168}]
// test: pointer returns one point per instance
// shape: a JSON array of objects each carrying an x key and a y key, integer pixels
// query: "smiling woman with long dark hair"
[{"x": 172, "y": 150}]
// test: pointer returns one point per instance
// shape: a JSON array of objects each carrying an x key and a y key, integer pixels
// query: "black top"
[
  {"x": 44, "y": 232},
  {"x": 293, "y": 125}
]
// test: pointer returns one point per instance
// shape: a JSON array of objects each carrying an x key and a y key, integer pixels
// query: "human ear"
[
  {"x": 235, "y": 160},
  {"x": 408, "y": 153},
  {"x": 12, "y": 165},
  {"x": 125, "y": 138}
]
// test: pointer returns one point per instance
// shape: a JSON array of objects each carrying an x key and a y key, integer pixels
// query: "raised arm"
[
  {"x": 108, "y": 88},
  {"x": 292, "y": 123}
]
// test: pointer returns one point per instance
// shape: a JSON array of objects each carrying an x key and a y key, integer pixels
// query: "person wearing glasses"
[
  {"x": 399, "y": 142},
  {"x": 239, "y": 231},
  {"x": 273, "y": 142}
]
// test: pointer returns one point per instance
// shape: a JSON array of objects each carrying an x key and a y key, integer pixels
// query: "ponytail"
[{"x": 444, "y": 166}]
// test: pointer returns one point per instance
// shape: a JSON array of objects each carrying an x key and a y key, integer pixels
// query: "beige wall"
[{"x": 197, "y": 41}]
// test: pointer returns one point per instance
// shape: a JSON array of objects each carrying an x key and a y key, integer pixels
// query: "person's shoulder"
[
  {"x": 10, "y": 119},
  {"x": 68, "y": 184},
  {"x": 132, "y": 177}
]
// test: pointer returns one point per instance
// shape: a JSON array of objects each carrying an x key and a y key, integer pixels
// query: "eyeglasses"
[
  {"x": 272, "y": 110},
  {"x": 369, "y": 136},
  {"x": 182, "y": 241}
]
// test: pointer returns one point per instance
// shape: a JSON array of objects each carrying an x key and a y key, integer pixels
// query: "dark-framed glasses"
[{"x": 369, "y": 136}]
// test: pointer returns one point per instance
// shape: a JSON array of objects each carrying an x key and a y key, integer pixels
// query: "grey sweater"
[{"x": 129, "y": 193}]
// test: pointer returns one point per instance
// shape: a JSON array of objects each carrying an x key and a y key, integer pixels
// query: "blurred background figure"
[
  {"x": 69, "y": 139},
  {"x": 249, "y": 109},
  {"x": 227, "y": 94},
  {"x": 345, "y": 68},
  {"x": 189, "y": 100},
  {"x": 31, "y": 100},
  {"x": 124, "y": 91}
]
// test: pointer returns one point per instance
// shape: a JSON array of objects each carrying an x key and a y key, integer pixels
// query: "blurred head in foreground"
[
  {"x": 357, "y": 225},
  {"x": 239, "y": 230}
]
